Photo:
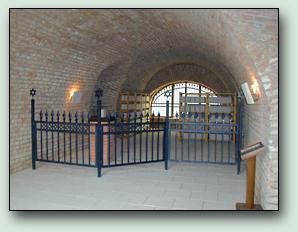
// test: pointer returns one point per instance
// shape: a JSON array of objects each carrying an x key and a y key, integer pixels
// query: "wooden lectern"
[{"x": 249, "y": 153}]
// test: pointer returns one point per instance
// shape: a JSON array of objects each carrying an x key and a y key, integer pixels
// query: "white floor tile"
[
  {"x": 138, "y": 187},
  {"x": 217, "y": 205}
]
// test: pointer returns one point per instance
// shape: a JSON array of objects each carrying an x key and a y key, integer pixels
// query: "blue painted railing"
[{"x": 133, "y": 139}]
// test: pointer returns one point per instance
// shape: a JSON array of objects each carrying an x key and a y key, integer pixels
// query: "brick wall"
[
  {"x": 119, "y": 50},
  {"x": 257, "y": 32},
  {"x": 52, "y": 59}
]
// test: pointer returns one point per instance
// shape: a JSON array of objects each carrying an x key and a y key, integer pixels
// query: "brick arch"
[
  {"x": 188, "y": 72},
  {"x": 141, "y": 74}
]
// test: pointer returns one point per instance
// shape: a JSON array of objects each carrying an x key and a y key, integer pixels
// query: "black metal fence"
[
  {"x": 79, "y": 139},
  {"x": 208, "y": 142},
  {"x": 114, "y": 141},
  {"x": 64, "y": 138},
  {"x": 132, "y": 140}
]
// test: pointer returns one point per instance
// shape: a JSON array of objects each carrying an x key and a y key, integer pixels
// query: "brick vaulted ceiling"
[{"x": 122, "y": 49}]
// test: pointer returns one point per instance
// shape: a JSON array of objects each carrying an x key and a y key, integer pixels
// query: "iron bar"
[
  {"x": 109, "y": 139},
  {"x": 176, "y": 135},
  {"x": 70, "y": 145},
  {"x": 229, "y": 138},
  {"x": 52, "y": 122},
  {"x": 115, "y": 136},
  {"x": 58, "y": 135},
  {"x": 202, "y": 135},
  {"x": 166, "y": 135},
  {"x": 76, "y": 138},
  {"x": 152, "y": 137},
  {"x": 67, "y": 163},
  {"x": 222, "y": 137},
  {"x": 208, "y": 138},
  {"x": 33, "y": 129},
  {"x": 147, "y": 126},
  {"x": 158, "y": 122},
  {"x": 215, "y": 142},
  {"x": 140, "y": 135},
  {"x": 128, "y": 138},
  {"x": 237, "y": 151},
  {"x": 196, "y": 135},
  {"x": 47, "y": 146},
  {"x": 41, "y": 151},
  {"x": 122, "y": 134},
  {"x": 134, "y": 136},
  {"x": 83, "y": 139},
  {"x": 64, "y": 142},
  {"x": 182, "y": 136},
  {"x": 89, "y": 139},
  {"x": 188, "y": 142}
]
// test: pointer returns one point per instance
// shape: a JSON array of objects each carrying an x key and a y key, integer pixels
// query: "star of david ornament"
[
  {"x": 167, "y": 94},
  {"x": 98, "y": 93},
  {"x": 32, "y": 92}
]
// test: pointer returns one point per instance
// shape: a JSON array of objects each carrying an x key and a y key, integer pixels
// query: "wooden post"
[
  {"x": 249, "y": 153},
  {"x": 250, "y": 182}
]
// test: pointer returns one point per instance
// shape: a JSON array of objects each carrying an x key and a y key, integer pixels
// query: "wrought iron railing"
[{"x": 117, "y": 140}]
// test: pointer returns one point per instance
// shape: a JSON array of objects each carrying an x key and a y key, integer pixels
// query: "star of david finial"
[
  {"x": 167, "y": 94},
  {"x": 32, "y": 92},
  {"x": 98, "y": 93}
]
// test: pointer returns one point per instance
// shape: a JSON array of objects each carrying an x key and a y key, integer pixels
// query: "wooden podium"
[{"x": 249, "y": 153}]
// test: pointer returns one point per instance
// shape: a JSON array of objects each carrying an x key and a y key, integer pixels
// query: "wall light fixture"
[{"x": 252, "y": 93}]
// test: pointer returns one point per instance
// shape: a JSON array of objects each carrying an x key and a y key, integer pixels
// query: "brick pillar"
[{"x": 105, "y": 144}]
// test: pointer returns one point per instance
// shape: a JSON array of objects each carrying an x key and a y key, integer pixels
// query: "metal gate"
[
  {"x": 206, "y": 137},
  {"x": 194, "y": 140}
]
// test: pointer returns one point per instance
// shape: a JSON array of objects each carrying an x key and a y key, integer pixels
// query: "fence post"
[
  {"x": 98, "y": 134},
  {"x": 238, "y": 160},
  {"x": 239, "y": 132},
  {"x": 167, "y": 129},
  {"x": 33, "y": 128}
]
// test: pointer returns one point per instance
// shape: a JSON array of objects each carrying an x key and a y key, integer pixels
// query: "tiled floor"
[{"x": 184, "y": 186}]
